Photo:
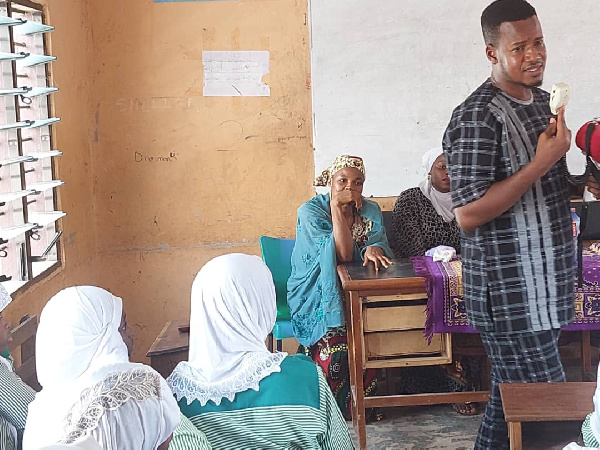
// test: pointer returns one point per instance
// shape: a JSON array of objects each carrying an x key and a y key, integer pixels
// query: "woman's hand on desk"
[{"x": 375, "y": 254}]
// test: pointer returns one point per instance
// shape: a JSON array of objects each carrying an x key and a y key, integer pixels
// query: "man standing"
[{"x": 510, "y": 191}]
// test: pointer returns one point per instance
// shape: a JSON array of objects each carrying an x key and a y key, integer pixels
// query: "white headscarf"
[
  {"x": 81, "y": 356},
  {"x": 233, "y": 310},
  {"x": 441, "y": 201}
]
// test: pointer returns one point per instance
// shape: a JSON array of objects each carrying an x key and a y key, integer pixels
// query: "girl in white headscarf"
[
  {"x": 89, "y": 387},
  {"x": 422, "y": 217},
  {"x": 232, "y": 388}
]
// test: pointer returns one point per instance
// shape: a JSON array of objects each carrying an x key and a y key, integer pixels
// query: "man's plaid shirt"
[{"x": 518, "y": 271}]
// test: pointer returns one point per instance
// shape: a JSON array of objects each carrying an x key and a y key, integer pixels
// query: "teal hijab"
[{"x": 314, "y": 292}]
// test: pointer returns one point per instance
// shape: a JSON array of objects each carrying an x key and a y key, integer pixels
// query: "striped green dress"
[
  {"x": 15, "y": 397},
  {"x": 293, "y": 409}
]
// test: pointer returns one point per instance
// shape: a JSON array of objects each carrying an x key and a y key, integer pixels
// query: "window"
[{"x": 28, "y": 213}]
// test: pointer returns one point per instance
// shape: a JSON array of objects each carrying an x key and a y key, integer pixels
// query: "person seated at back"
[
  {"x": 15, "y": 395},
  {"x": 89, "y": 387},
  {"x": 422, "y": 217},
  {"x": 590, "y": 429},
  {"x": 232, "y": 388},
  {"x": 338, "y": 227}
]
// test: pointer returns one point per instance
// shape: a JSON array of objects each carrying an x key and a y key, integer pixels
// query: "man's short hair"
[{"x": 502, "y": 11}]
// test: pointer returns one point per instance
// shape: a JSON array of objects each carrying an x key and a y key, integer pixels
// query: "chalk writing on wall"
[
  {"x": 127, "y": 105},
  {"x": 139, "y": 157}
]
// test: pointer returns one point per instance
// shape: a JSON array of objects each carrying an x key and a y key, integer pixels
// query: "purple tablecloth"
[{"x": 446, "y": 309}]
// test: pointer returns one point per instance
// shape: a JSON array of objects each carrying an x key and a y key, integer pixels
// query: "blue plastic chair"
[{"x": 277, "y": 255}]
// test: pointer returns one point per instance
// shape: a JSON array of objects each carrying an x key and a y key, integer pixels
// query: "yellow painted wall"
[
  {"x": 71, "y": 44},
  {"x": 239, "y": 167}
]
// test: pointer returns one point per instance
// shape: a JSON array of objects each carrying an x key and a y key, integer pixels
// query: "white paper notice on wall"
[{"x": 235, "y": 73}]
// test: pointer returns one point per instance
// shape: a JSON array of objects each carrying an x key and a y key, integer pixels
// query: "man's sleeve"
[{"x": 472, "y": 150}]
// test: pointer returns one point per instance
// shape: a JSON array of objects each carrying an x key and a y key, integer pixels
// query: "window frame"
[{"x": 58, "y": 265}]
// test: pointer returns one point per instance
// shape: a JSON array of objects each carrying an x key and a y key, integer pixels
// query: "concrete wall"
[
  {"x": 231, "y": 168},
  {"x": 71, "y": 43}
]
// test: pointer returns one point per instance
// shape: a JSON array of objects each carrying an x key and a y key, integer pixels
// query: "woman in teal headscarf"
[{"x": 333, "y": 228}]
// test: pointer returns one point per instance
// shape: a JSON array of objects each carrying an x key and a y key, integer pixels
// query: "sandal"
[{"x": 466, "y": 409}]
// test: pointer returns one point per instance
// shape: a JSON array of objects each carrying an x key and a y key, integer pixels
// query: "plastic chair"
[{"x": 277, "y": 255}]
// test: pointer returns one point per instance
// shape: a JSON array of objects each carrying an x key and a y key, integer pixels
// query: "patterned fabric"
[
  {"x": 187, "y": 437},
  {"x": 339, "y": 163},
  {"x": 528, "y": 357},
  {"x": 360, "y": 231},
  {"x": 446, "y": 309},
  {"x": 15, "y": 397},
  {"x": 330, "y": 353},
  {"x": 294, "y": 409},
  {"x": 589, "y": 440},
  {"x": 314, "y": 293},
  {"x": 518, "y": 269},
  {"x": 107, "y": 395},
  {"x": 417, "y": 226}
]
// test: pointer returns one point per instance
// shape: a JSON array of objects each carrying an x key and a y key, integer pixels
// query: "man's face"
[{"x": 519, "y": 56}]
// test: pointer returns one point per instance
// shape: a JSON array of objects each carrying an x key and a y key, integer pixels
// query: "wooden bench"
[
  {"x": 170, "y": 347},
  {"x": 22, "y": 349},
  {"x": 544, "y": 402}
]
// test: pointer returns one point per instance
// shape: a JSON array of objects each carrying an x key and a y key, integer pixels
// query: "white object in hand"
[
  {"x": 588, "y": 196},
  {"x": 559, "y": 96}
]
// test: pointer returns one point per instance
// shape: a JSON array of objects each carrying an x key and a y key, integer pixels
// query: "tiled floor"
[{"x": 439, "y": 427}]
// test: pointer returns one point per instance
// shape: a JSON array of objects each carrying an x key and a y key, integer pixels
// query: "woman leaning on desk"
[{"x": 337, "y": 227}]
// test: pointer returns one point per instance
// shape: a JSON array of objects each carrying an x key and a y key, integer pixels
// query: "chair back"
[
  {"x": 22, "y": 349},
  {"x": 277, "y": 255}
]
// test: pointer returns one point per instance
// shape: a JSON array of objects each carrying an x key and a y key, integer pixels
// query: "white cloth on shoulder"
[
  {"x": 441, "y": 201},
  {"x": 233, "y": 310},
  {"x": 89, "y": 387}
]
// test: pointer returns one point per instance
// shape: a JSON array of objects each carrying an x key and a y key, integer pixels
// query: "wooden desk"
[
  {"x": 544, "y": 402},
  {"x": 170, "y": 347},
  {"x": 376, "y": 303}
]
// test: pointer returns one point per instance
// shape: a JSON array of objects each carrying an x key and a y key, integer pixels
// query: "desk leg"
[
  {"x": 351, "y": 357},
  {"x": 514, "y": 435},
  {"x": 586, "y": 357},
  {"x": 354, "y": 328}
]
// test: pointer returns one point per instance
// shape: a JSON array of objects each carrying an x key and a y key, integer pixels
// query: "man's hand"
[
  {"x": 347, "y": 196},
  {"x": 593, "y": 187},
  {"x": 553, "y": 143},
  {"x": 375, "y": 254}
]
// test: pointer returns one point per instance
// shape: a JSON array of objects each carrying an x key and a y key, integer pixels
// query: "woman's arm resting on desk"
[{"x": 341, "y": 202}]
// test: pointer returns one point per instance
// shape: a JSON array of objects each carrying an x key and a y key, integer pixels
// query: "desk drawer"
[
  {"x": 394, "y": 318},
  {"x": 395, "y": 343}
]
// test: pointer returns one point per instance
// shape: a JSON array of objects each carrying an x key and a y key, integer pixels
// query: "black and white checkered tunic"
[{"x": 518, "y": 269}]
